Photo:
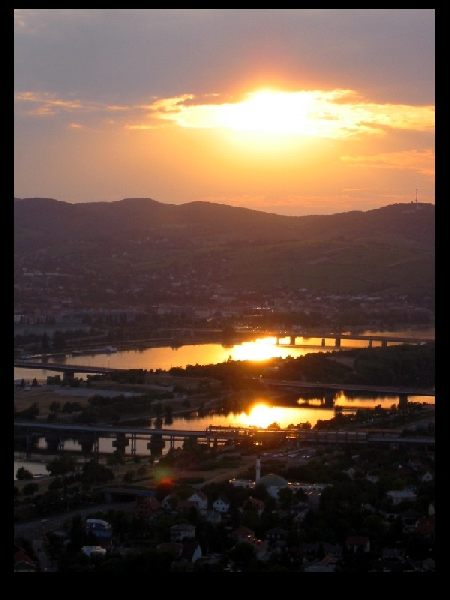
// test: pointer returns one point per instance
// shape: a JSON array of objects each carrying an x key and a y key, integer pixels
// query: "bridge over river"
[
  {"x": 328, "y": 390},
  {"x": 89, "y": 435}
]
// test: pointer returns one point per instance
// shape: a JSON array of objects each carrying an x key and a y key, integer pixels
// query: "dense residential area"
[{"x": 311, "y": 509}]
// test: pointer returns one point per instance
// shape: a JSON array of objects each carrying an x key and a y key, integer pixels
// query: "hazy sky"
[{"x": 291, "y": 111}]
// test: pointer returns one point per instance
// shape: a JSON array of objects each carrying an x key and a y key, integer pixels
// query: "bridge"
[
  {"x": 348, "y": 387},
  {"x": 328, "y": 388},
  {"x": 63, "y": 368},
  {"x": 384, "y": 340},
  {"x": 89, "y": 435},
  {"x": 67, "y": 370}
]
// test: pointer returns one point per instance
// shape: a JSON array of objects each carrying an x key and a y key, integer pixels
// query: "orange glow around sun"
[{"x": 333, "y": 114}]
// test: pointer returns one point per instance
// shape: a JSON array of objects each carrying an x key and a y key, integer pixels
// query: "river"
[
  {"x": 167, "y": 357},
  {"x": 261, "y": 413}
]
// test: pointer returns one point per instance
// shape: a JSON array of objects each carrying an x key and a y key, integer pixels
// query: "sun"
[
  {"x": 269, "y": 112},
  {"x": 259, "y": 350},
  {"x": 261, "y": 415}
]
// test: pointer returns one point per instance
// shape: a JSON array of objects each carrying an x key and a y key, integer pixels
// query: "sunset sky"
[{"x": 290, "y": 111}]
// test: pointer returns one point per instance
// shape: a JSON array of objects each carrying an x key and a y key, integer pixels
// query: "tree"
[
  {"x": 77, "y": 533},
  {"x": 30, "y": 488},
  {"x": 285, "y": 497},
  {"x": 34, "y": 383},
  {"x": 55, "y": 406},
  {"x": 22, "y": 473},
  {"x": 56, "y": 484},
  {"x": 128, "y": 476},
  {"x": 94, "y": 473},
  {"x": 243, "y": 554},
  {"x": 62, "y": 465}
]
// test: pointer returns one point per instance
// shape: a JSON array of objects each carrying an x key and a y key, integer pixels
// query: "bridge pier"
[
  {"x": 329, "y": 399},
  {"x": 69, "y": 376},
  {"x": 292, "y": 339},
  {"x": 337, "y": 342},
  {"x": 323, "y": 342},
  {"x": 384, "y": 343},
  {"x": 54, "y": 443},
  {"x": 87, "y": 443},
  {"x": 156, "y": 444},
  {"x": 120, "y": 443},
  {"x": 133, "y": 444},
  {"x": 172, "y": 442},
  {"x": 403, "y": 401},
  {"x": 370, "y": 343},
  {"x": 31, "y": 443}
]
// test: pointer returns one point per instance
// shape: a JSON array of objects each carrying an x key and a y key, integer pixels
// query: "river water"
[
  {"x": 261, "y": 413},
  {"x": 167, "y": 357}
]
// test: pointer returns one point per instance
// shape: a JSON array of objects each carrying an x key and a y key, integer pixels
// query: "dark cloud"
[{"x": 125, "y": 55}]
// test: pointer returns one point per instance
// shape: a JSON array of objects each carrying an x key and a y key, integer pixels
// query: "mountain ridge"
[{"x": 384, "y": 249}]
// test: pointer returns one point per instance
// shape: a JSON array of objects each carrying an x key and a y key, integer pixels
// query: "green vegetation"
[
  {"x": 22, "y": 473},
  {"x": 101, "y": 408},
  {"x": 403, "y": 365}
]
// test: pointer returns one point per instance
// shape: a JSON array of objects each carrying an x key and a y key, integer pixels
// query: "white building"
[
  {"x": 399, "y": 496},
  {"x": 183, "y": 531},
  {"x": 200, "y": 501},
  {"x": 221, "y": 505},
  {"x": 93, "y": 551}
]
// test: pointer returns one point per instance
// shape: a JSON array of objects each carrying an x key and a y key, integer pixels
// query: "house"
[
  {"x": 221, "y": 505},
  {"x": 409, "y": 520},
  {"x": 200, "y": 500},
  {"x": 357, "y": 544},
  {"x": 22, "y": 562},
  {"x": 91, "y": 551},
  {"x": 170, "y": 502},
  {"x": 213, "y": 517},
  {"x": 333, "y": 550},
  {"x": 350, "y": 472},
  {"x": 393, "y": 553},
  {"x": 100, "y": 531},
  {"x": 425, "y": 527},
  {"x": 326, "y": 565},
  {"x": 399, "y": 496},
  {"x": 244, "y": 483},
  {"x": 210, "y": 559},
  {"x": 182, "y": 531}
]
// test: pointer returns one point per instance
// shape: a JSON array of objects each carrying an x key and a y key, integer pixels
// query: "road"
[{"x": 36, "y": 530}]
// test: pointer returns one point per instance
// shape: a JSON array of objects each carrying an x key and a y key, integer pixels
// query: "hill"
[{"x": 147, "y": 245}]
